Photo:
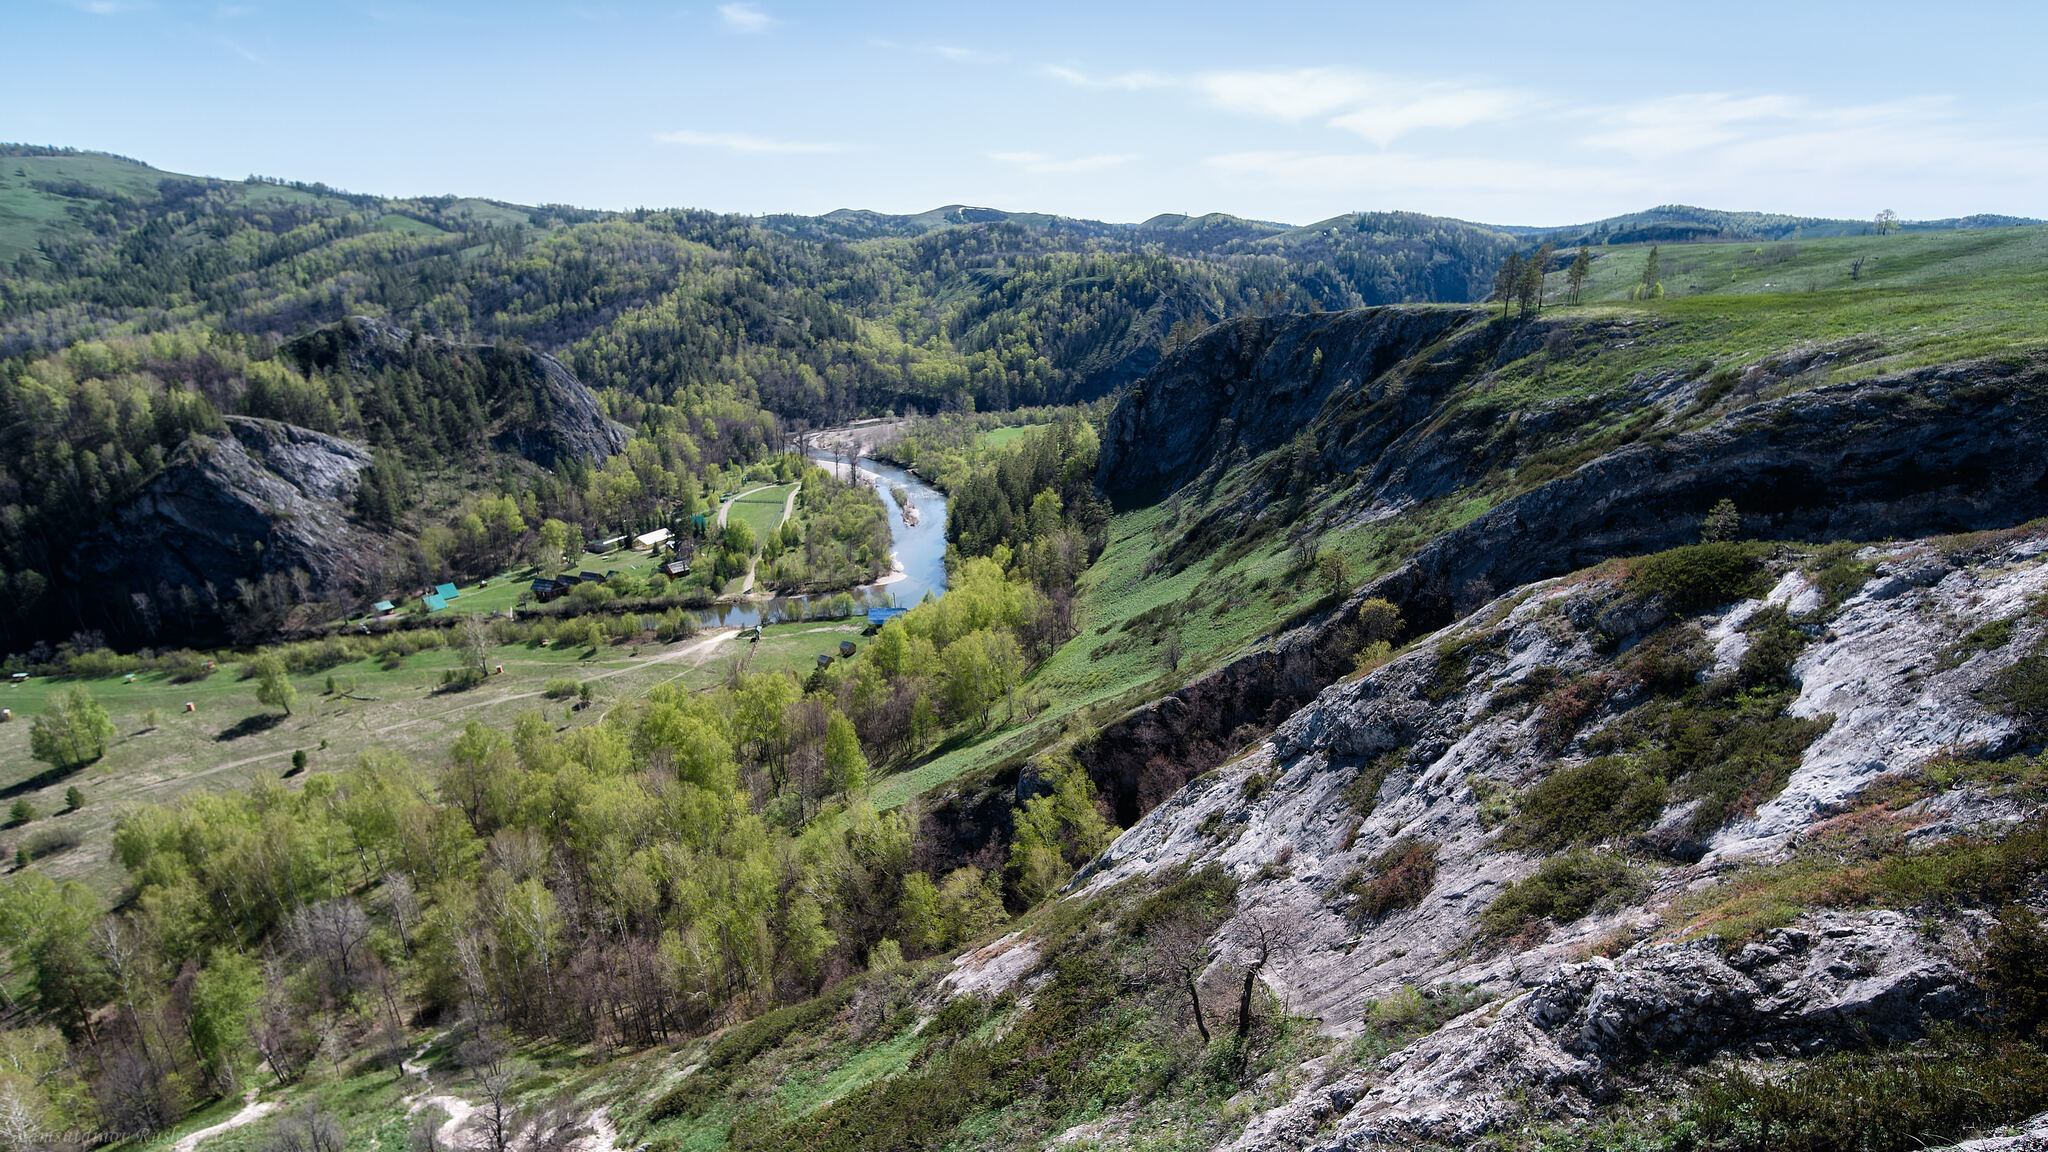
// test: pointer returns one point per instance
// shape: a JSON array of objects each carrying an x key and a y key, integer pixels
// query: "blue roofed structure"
[
  {"x": 446, "y": 591},
  {"x": 434, "y": 603}
]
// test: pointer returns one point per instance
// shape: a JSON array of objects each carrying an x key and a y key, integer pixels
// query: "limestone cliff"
[{"x": 1897, "y": 658}]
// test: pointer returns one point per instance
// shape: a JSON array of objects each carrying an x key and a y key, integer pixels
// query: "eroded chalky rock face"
[
  {"x": 1444, "y": 744},
  {"x": 1577, "y": 1038},
  {"x": 1880, "y": 672},
  {"x": 1838, "y": 979}
]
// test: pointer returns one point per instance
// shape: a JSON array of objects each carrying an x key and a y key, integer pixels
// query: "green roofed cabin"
[
  {"x": 384, "y": 606},
  {"x": 433, "y": 603},
  {"x": 446, "y": 591}
]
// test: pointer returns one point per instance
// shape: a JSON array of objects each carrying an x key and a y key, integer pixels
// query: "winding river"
[{"x": 919, "y": 551}]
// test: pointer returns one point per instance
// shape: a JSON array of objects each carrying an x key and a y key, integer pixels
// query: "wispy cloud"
[
  {"x": 239, "y": 49},
  {"x": 1385, "y": 119},
  {"x": 741, "y": 17},
  {"x": 745, "y": 142},
  {"x": 1700, "y": 148},
  {"x": 1294, "y": 94},
  {"x": 1669, "y": 125},
  {"x": 1405, "y": 173},
  {"x": 1043, "y": 164},
  {"x": 1122, "y": 81},
  {"x": 1381, "y": 108}
]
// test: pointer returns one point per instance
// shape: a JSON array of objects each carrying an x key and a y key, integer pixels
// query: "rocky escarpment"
[
  {"x": 568, "y": 421},
  {"x": 1893, "y": 660},
  {"x": 1577, "y": 1039},
  {"x": 1940, "y": 449},
  {"x": 534, "y": 405},
  {"x": 1249, "y": 386},
  {"x": 235, "y": 530}
]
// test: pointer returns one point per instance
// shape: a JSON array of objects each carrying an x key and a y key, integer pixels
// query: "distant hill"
[{"x": 1681, "y": 223}]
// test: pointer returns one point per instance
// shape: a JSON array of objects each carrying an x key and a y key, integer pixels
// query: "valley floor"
[{"x": 229, "y": 739}]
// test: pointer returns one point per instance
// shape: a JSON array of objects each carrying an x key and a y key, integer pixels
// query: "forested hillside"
[
  {"x": 452, "y": 339},
  {"x": 815, "y": 319}
]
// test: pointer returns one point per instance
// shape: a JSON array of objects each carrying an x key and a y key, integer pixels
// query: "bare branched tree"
[
  {"x": 405, "y": 907},
  {"x": 425, "y": 1133},
  {"x": 1263, "y": 934},
  {"x": 1183, "y": 948},
  {"x": 476, "y": 645},
  {"x": 490, "y": 1060},
  {"x": 280, "y": 1031},
  {"x": 552, "y": 1127},
  {"x": 332, "y": 932},
  {"x": 307, "y": 1128}
]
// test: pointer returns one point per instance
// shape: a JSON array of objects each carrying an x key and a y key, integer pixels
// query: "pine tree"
[
  {"x": 1575, "y": 276},
  {"x": 1723, "y": 522},
  {"x": 1529, "y": 286},
  {"x": 1650, "y": 288},
  {"x": 1504, "y": 281}
]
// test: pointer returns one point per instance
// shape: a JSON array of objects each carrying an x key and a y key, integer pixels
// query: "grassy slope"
[
  {"x": 409, "y": 715},
  {"x": 27, "y": 213},
  {"x": 1923, "y": 297}
]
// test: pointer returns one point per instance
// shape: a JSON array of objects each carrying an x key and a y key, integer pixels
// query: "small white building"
[{"x": 654, "y": 539}]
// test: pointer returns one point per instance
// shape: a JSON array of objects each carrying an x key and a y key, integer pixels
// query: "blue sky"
[{"x": 1509, "y": 113}]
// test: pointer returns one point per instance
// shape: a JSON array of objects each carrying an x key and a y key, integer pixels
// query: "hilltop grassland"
[{"x": 1891, "y": 302}]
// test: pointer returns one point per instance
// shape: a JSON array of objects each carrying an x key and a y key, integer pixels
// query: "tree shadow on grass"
[
  {"x": 250, "y": 726},
  {"x": 43, "y": 779}
]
